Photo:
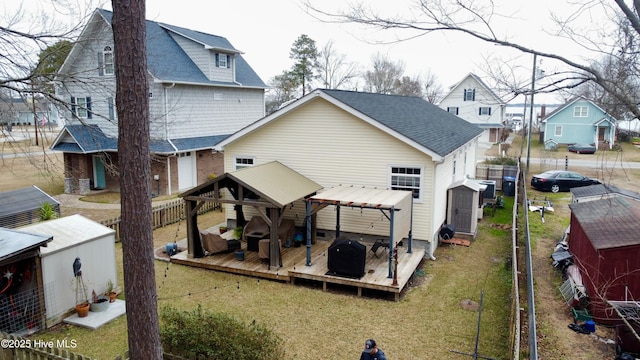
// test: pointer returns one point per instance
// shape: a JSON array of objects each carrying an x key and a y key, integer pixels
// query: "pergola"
[
  {"x": 395, "y": 205},
  {"x": 268, "y": 188}
]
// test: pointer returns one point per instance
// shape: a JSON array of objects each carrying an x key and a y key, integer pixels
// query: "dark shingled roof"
[
  {"x": 602, "y": 189},
  {"x": 168, "y": 62},
  {"x": 413, "y": 117},
  {"x": 609, "y": 223},
  {"x": 90, "y": 139}
]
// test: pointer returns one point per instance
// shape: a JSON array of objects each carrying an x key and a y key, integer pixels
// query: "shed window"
[
  {"x": 581, "y": 111},
  {"x": 243, "y": 162},
  {"x": 407, "y": 178}
]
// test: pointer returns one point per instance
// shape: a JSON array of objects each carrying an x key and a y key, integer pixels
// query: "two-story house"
[
  {"x": 474, "y": 101},
  {"x": 200, "y": 90},
  {"x": 580, "y": 121}
]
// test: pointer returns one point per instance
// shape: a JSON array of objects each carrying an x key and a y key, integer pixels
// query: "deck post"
[
  {"x": 391, "y": 241},
  {"x": 410, "y": 245},
  {"x": 308, "y": 225}
]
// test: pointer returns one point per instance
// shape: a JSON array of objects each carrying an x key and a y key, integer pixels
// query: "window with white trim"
[
  {"x": 107, "y": 55},
  {"x": 81, "y": 107},
  {"x": 453, "y": 110},
  {"x": 469, "y": 94},
  {"x": 558, "y": 130},
  {"x": 406, "y": 178},
  {"x": 243, "y": 162},
  {"x": 484, "y": 110},
  {"x": 223, "y": 60},
  {"x": 580, "y": 111}
]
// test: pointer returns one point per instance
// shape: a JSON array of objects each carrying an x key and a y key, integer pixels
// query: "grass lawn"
[{"x": 429, "y": 319}]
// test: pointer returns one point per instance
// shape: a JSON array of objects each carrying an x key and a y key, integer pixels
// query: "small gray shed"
[{"x": 22, "y": 207}]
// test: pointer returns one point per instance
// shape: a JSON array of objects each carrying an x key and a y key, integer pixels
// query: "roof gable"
[
  {"x": 168, "y": 62},
  {"x": 410, "y": 119},
  {"x": 474, "y": 78},
  {"x": 567, "y": 108}
]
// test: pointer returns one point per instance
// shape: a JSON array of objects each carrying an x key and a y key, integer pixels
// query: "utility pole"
[{"x": 533, "y": 90}]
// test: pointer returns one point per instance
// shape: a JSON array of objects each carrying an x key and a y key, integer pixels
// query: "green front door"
[{"x": 99, "y": 180}]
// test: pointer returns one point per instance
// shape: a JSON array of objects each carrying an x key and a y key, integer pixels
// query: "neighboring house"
[
  {"x": 601, "y": 191},
  {"x": 200, "y": 91},
  {"x": 605, "y": 244},
  {"x": 472, "y": 100},
  {"x": 21, "y": 111},
  {"x": 580, "y": 121},
  {"x": 360, "y": 139}
]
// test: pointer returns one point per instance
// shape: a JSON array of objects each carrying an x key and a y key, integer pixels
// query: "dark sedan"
[
  {"x": 582, "y": 148},
  {"x": 558, "y": 180}
]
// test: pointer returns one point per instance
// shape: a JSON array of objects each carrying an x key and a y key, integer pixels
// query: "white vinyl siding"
[{"x": 298, "y": 140}]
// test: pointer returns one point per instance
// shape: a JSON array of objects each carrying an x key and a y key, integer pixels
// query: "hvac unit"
[{"x": 490, "y": 191}]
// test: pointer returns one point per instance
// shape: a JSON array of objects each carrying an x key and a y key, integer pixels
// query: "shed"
[
  {"x": 22, "y": 207},
  {"x": 21, "y": 290},
  {"x": 606, "y": 248},
  {"x": 600, "y": 191},
  {"x": 74, "y": 236},
  {"x": 463, "y": 206}
]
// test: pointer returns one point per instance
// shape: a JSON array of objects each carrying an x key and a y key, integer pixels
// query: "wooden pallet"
[{"x": 456, "y": 242}]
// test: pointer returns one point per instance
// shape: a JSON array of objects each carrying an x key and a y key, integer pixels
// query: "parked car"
[
  {"x": 559, "y": 180},
  {"x": 582, "y": 148}
]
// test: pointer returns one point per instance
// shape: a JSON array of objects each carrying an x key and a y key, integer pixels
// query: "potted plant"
[
  {"x": 237, "y": 232},
  {"x": 111, "y": 291},
  {"x": 99, "y": 303},
  {"x": 223, "y": 229},
  {"x": 82, "y": 299}
]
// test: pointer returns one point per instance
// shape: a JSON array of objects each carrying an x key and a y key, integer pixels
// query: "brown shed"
[{"x": 606, "y": 248}]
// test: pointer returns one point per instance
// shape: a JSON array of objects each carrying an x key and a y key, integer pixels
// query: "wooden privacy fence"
[
  {"x": 165, "y": 214},
  {"x": 496, "y": 173}
]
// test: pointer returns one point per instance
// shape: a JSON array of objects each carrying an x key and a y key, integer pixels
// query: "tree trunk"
[{"x": 132, "y": 102}]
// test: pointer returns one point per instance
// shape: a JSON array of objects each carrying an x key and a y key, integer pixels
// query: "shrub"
[
  {"x": 47, "y": 211},
  {"x": 204, "y": 334},
  {"x": 502, "y": 160}
]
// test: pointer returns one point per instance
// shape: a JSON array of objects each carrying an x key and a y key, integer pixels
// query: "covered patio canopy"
[
  {"x": 395, "y": 205},
  {"x": 268, "y": 188}
]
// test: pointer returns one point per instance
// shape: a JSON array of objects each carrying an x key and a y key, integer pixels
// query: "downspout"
[{"x": 434, "y": 241}]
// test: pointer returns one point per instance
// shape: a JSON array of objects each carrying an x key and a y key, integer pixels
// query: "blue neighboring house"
[
  {"x": 580, "y": 121},
  {"x": 201, "y": 90}
]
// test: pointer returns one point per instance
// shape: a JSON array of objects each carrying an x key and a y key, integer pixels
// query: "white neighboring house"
[
  {"x": 472, "y": 100},
  {"x": 200, "y": 90},
  {"x": 336, "y": 137}
]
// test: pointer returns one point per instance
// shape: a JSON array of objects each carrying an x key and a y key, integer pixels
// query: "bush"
[
  {"x": 502, "y": 160},
  {"x": 203, "y": 334}
]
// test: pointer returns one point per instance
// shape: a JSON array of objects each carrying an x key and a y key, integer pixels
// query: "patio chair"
[{"x": 214, "y": 243}]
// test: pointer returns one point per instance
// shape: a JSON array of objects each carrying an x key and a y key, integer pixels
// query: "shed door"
[{"x": 462, "y": 209}]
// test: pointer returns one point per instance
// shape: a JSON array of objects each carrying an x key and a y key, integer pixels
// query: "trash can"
[{"x": 509, "y": 186}]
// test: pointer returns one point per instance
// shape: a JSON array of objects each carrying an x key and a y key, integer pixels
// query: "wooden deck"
[{"x": 294, "y": 267}]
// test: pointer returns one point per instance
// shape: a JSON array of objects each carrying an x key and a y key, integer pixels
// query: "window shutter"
[
  {"x": 480, "y": 110},
  {"x": 89, "y": 114},
  {"x": 217, "y": 60},
  {"x": 100, "y": 64},
  {"x": 228, "y": 61},
  {"x": 111, "y": 108},
  {"x": 473, "y": 95},
  {"x": 489, "y": 111},
  {"x": 457, "y": 109},
  {"x": 465, "y": 95},
  {"x": 73, "y": 106}
]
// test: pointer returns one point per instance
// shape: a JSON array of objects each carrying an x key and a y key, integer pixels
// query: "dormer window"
[
  {"x": 223, "y": 60},
  {"x": 107, "y": 56}
]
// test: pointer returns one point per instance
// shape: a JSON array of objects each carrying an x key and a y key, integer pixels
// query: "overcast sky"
[{"x": 266, "y": 30}]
